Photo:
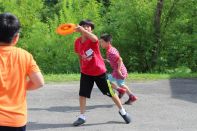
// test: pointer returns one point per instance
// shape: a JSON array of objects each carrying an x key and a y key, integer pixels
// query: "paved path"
[{"x": 163, "y": 105}]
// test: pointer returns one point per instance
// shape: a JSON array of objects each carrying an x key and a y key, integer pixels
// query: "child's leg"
[
  {"x": 82, "y": 102},
  {"x": 122, "y": 111},
  {"x": 114, "y": 86},
  {"x": 105, "y": 86},
  {"x": 132, "y": 97},
  {"x": 86, "y": 85},
  {"x": 121, "y": 91},
  {"x": 128, "y": 91},
  {"x": 117, "y": 101},
  {"x": 112, "y": 81}
]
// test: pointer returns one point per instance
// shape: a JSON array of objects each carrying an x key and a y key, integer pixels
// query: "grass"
[
  {"x": 61, "y": 77},
  {"x": 136, "y": 76},
  {"x": 132, "y": 76}
]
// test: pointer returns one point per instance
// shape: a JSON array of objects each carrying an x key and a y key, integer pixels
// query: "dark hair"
[
  {"x": 87, "y": 22},
  {"x": 106, "y": 37},
  {"x": 9, "y": 27}
]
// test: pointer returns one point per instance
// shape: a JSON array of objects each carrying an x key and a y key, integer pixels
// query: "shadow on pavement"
[
  {"x": 184, "y": 89},
  {"x": 40, "y": 126},
  {"x": 109, "y": 122},
  {"x": 70, "y": 108}
]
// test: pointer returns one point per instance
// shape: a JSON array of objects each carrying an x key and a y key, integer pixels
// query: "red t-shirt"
[{"x": 91, "y": 61}]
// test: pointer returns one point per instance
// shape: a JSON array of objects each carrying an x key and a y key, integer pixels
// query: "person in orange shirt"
[{"x": 18, "y": 73}]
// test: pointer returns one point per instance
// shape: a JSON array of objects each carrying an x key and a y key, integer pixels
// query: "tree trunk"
[{"x": 157, "y": 33}]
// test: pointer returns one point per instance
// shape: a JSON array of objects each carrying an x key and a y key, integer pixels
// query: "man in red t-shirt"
[{"x": 92, "y": 70}]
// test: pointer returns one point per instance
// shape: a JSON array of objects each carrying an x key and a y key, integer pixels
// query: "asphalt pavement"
[{"x": 162, "y": 105}]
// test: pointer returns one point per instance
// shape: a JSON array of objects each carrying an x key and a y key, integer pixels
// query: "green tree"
[
  {"x": 151, "y": 35},
  {"x": 178, "y": 35},
  {"x": 132, "y": 28}
]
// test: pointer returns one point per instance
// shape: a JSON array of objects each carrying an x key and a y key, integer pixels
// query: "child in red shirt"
[
  {"x": 92, "y": 70},
  {"x": 119, "y": 73}
]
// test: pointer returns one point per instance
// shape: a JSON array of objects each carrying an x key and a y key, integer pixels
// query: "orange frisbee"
[{"x": 65, "y": 29}]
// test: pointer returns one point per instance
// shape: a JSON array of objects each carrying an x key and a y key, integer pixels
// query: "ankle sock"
[
  {"x": 122, "y": 111},
  {"x": 82, "y": 116}
]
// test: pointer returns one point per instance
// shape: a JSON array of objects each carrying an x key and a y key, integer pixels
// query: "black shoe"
[
  {"x": 126, "y": 117},
  {"x": 79, "y": 122}
]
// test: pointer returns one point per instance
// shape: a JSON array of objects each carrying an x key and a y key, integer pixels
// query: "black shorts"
[
  {"x": 87, "y": 83},
  {"x": 7, "y": 128}
]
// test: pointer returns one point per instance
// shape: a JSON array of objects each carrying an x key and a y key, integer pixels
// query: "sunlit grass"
[
  {"x": 137, "y": 76},
  {"x": 61, "y": 77},
  {"x": 132, "y": 76}
]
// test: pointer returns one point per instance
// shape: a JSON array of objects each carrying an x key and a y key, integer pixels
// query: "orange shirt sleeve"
[{"x": 32, "y": 66}]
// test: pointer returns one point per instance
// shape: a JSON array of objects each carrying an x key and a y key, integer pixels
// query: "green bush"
[{"x": 130, "y": 23}]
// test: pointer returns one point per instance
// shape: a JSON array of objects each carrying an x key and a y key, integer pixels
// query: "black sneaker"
[
  {"x": 79, "y": 122},
  {"x": 126, "y": 117}
]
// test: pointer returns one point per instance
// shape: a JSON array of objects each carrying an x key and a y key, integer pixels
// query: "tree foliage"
[{"x": 131, "y": 23}]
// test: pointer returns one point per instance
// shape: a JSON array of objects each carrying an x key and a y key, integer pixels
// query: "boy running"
[{"x": 119, "y": 73}]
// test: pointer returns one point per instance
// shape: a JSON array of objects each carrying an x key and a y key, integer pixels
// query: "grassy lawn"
[{"x": 132, "y": 76}]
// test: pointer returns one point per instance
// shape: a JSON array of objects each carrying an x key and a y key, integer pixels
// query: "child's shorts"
[
  {"x": 87, "y": 83},
  {"x": 7, "y": 128},
  {"x": 120, "y": 82}
]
